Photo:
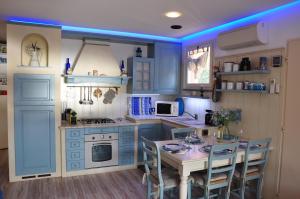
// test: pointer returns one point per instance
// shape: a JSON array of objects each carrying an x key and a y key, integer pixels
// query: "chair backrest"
[
  {"x": 256, "y": 147},
  {"x": 181, "y": 133},
  {"x": 152, "y": 161},
  {"x": 220, "y": 153}
]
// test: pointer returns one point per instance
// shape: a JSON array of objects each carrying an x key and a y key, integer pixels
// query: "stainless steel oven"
[{"x": 101, "y": 150}]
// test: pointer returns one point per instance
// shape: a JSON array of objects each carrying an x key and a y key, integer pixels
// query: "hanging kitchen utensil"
[
  {"x": 80, "y": 101},
  {"x": 97, "y": 93},
  {"x": 90, "y": 95},
  {"x": 84, "y": 96},
  {"x": 109, "y": 96}
]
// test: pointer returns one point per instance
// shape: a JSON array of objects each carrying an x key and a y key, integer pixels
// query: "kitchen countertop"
[
  {"x": 123, "y": 122},
  {"x": 185, "y": 121}
]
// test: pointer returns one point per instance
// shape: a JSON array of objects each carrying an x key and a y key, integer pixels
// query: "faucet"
[{"x": 195, "y": 116}]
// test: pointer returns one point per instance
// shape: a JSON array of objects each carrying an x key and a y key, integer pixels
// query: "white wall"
[
  {"x": 282, "y": 26},
  {"x": 71, "y": 96}
]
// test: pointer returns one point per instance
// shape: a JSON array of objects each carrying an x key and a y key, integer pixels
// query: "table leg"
[{"x": 183, "y": 186}]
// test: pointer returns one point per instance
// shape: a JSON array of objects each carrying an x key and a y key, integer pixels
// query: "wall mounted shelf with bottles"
[
  {"x": 243, "y": 91},
  {"x": 249, "y": 72},
  {"x": 111, "y": 80}
]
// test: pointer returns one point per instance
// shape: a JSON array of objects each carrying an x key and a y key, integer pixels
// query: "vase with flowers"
[{"x": 222, "y": 119}]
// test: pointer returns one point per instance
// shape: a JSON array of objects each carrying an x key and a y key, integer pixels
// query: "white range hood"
[{"x": 96, "y": 55}]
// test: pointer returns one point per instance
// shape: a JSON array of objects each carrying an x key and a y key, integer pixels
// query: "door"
[
  {"x": 290, "y": 170},
  {"x": 34, "y": 139},
  {"x": 32, "y": 89},
  {"x": 167, "y": 66},
  {"x": 3, "y": 121}
]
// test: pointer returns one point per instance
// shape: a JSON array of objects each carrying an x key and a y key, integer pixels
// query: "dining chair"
[
  {"x": 158, "y": 178},
  {"x": 181, "y": 133},
  {"x": 252, "y": 169},
  {"x": 220, "y": 169}
]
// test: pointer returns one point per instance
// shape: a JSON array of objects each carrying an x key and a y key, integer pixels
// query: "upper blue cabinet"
[
  {"x": 142, "y": 71},
  {"x": 167, "y": 68},
  {"x": 33, "y": 89}
]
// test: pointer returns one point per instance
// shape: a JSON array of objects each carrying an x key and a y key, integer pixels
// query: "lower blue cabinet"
[
  {"x": 34, "y": 139},
  {"x": 149, "y": 131},
  {"x": 126, "y": 145},
  {"x": 75, "y": 149}
]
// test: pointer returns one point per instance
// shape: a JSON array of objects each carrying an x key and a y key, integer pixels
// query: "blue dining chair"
[
  {"x": 181, "y": 133},
  {"x": 252, "y": 169},
  {"x": 219, "y": 176},
  {"x": 158, "y": 178}
]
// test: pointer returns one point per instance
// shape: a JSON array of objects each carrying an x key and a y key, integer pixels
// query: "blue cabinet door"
[
  {"x": 167, "y": 68},
  {"x": 142, "y": 72},
  {"x": 149, "y": 131},
  {"x": 75, "y": 149},
  {"x": 34, "y": 139},
  {"x": 32, "y": 89},
  {"x": 126, "y": 145}
]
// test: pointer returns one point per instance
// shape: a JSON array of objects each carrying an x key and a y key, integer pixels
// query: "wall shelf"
[
  {"x": 112, "y": 80},
  {"x": 249, "y": 72},
  {"x": 243, "y": 91}
]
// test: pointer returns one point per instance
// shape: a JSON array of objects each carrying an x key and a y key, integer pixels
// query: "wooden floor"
[{"x": 115, "y": 185}]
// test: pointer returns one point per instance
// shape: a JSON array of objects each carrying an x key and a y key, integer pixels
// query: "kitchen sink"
[{"x": 192, "y": 122}]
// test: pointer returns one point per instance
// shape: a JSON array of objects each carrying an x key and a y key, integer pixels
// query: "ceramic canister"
[{"x": 228, "y": 66}]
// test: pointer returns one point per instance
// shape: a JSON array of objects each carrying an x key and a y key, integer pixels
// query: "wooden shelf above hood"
[{"x": 110, "y": 80}]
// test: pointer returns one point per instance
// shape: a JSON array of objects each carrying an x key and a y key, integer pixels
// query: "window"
[{"x": 198, "y": 67}]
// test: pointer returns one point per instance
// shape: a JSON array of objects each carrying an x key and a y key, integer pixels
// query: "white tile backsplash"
[{"x": 198, "y": 106}]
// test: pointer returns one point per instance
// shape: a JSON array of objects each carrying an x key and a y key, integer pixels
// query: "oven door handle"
[{"x": 102, "y": 143}]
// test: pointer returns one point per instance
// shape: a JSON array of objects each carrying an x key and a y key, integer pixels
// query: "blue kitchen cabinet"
[
  {"x": 32, "y": 89},
  {"x": 149, "y": 131},
  {"x": 167, "y": 68},
  {"x": 34, "y": 121},
  {"x": 34, "y": 139},
  {"x": 75, "y": 149},
  {"x": 126, "y": 145},
  {"x": 141, "y": 70}
]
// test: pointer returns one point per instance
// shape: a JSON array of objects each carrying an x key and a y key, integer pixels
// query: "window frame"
[{"x": 185, "y": 85}]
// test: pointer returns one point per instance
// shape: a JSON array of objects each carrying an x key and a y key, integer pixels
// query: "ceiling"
[{"x": 139, "y": 16}]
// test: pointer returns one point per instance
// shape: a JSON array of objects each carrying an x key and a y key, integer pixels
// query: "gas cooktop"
[{"x": 97, "y": 121}]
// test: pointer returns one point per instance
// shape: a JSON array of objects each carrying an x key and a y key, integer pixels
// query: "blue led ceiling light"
[
  {"x": 119, "y": 33},
  {"x": 242, "y": 21},
  {"x": 223, "y": 27}
]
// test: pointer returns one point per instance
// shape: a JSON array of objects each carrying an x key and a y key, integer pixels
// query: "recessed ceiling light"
[
  {"x": 176, "y": 27},
  {"x": 173, "y": 14}
]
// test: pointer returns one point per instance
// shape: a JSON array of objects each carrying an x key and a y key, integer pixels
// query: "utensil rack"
[{"x": 109, "y": 87}]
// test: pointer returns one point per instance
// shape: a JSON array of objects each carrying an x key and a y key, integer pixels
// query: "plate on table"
[
  {"x": 243, "y": 144},
  {"x": 207, "y": 149},
  {"x": 174, "y": 148}
]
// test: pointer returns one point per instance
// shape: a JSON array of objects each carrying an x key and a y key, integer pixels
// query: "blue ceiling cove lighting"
[
  {"x": 242, "y": 21},
  {"x": 233, "y": 24},
  {"x": 119, "y": 33}
]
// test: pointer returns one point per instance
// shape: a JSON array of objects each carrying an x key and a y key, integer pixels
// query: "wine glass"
[{"x": 188, "y": 140}]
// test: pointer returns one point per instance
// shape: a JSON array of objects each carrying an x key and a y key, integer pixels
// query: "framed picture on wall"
[{"x": 197, "y": 68}]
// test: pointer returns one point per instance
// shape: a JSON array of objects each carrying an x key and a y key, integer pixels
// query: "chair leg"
[
  {"x": 149, "y": 190},
  {"x": 190, "y": 190},
  {"x": 161, "y": 192},
  {"x": 259, "y": 187},
  {"x": 206, "y": 193},
  {"x": 242, "y": 189}
]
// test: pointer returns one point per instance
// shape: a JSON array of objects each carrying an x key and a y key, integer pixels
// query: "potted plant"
[{"x": 222, "y": 119}]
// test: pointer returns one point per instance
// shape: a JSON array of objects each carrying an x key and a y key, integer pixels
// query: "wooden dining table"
[{"x": 194, "y": 159}]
